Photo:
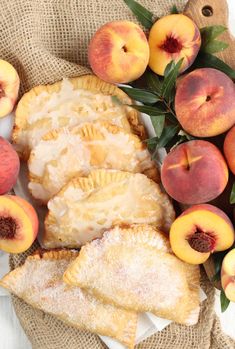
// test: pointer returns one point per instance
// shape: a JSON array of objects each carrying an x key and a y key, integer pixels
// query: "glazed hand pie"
[
  {"x": 39, "y": 283},
  {"x": 68, "y": 103},
  {"x": 133, "y": 268},
  {"x": 66, "y": 153},
  {"x": 87, "y": 206}
]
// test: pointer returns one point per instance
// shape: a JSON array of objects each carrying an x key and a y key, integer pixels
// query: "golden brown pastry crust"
[
  {"x": 87, "y": 206},
  {"x": 65, "y": 153},
  {"x": 86, "y": 82},
  {"x": 145, "y": 275},
  {"x": 39, "y": 283}
]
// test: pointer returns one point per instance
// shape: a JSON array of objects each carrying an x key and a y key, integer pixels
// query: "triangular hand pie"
[
  {"x": 134, "y": 268},
  {"x": 66, "y": 153},
  {"x": 87, "y": 206},
  {"x": 67, "y": 103},
  {"x": 39, "y": 282}
]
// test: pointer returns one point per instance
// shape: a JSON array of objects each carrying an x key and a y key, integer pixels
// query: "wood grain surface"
[{"x": 213, "y": 12}]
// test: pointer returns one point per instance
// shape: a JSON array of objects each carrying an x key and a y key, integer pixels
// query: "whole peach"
[
  {"x": 171, "y": 38},
  {"x": 229, "y": 149},
  {"x": 194, "y": 172},
  {"x": 228, "y": 275},
  {"x": 205, "y": 102},
  {"x": 9, "y": 87},
  {"x": 9, "y": 166},
  {"x": 119, "y": 52}
]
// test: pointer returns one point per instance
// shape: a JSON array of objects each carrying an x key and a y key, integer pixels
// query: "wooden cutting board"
[
  {"x": 205, "y": 13},
  {"x": 213, "y": 12}
]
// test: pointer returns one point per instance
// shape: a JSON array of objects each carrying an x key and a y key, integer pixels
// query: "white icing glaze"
[
  {"x": 81, "y": 217},
  {"x": 67, "y": 107}
]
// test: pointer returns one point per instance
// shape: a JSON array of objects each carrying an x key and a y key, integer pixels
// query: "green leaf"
[
  {"x": 224, "y": 301},
  {"x": 174, "y": 10},
  {"x": 151, "y": 143},
  {"x": 206, "y": 60},
  {"x": 232, "y": 195},
  {"x": 150, "y": 110},
  {"x": 153, "y": 82},
  {"x": 216, "y": 277},
  {"x": 141, "y": 95},
  {"x": 170, "y": 75},
  {"x": 116, "y": 100},
  {"x": 215, "y": 46},
  {"x": 158, "y": 122},
  {"x": 209, "y": 44},
  {"x": 211, "y": 32},
  {"x": 168, "y": 133},
  {"x": 144, "y": 16}
]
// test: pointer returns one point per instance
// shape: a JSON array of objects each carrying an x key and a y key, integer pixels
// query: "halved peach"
[
  {"x": 200, "y": 231},
  {"x": 18, "y": 224},
  {"x": 9, "y": 87},
  {"x": 228, "y": 275},
  {"x": 171, "y": 38}
]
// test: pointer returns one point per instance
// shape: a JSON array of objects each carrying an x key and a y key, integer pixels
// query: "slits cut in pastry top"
[
  {"x": 39, "y": 283},
  {"x": 145, "y": 275},
  {"x": 87, "y": 206},
  {"x": 68, "y": 103},
  {"x": 66, "y": 153}
]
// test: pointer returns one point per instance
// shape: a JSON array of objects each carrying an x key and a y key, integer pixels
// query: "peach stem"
[{"x": 202, "y": 241}]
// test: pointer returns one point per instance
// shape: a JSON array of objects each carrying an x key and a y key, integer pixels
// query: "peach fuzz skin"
[
  {"x": 205, "y": 102},
  {"x": 9, "y": 166},
  {"x": 9, "y": 87},
  {"x": 18, "y": 224},
  {"x": 200, "y": 231},
  {"x": 119, "y": 52},
  {"x": 228, "y": 275},
  {"x": 173, "y": 37},
  {"x": 229, "y": 149},
  {"x": 194, "y": 172}
]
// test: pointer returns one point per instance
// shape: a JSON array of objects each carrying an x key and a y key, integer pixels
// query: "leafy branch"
[{"x": 158, "y": 104}]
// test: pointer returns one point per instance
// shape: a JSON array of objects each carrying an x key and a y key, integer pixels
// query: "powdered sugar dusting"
[
  {"x": 39, "y": 282},
  {"x": 145, "y": 276}
]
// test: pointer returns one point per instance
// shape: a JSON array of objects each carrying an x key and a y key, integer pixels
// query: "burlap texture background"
[{"x": 46, "y": 40}]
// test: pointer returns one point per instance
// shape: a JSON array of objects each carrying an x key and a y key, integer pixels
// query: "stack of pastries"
[{"x": 107, "y": 215}]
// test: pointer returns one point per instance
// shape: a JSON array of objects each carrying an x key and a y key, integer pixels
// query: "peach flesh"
[
  {"x": 199, "y": 231},
  {"x": 171, "y": 38},
  {"x": 18, "y": 224},
  {"x": 205, "y": 103}
]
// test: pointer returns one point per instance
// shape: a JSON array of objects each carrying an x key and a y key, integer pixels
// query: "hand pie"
[
  {"x": 87, "y": 206},
  {"x": 133, "y": 268},
  {"x": 66, "y": 153},
  {"x": 68, "y": 103},
  {"x": 39, "y": 283}
]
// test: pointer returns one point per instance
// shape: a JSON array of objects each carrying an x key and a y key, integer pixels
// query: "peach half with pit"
[
  {"x": 205, "y": 103},
  {"x": 173, "y": 37},
  {"x": 9, "y": 87},
  {"x": 200, "y": 231},
  {"x": 119, "y": 52},
  {"x": 228, "y": 275},
  {"x": 18, "y": 224},
  {"x": 194, "y": 172}
]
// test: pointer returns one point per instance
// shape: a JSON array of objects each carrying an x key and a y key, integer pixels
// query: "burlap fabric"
[{"x": 46, "y": 40}]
